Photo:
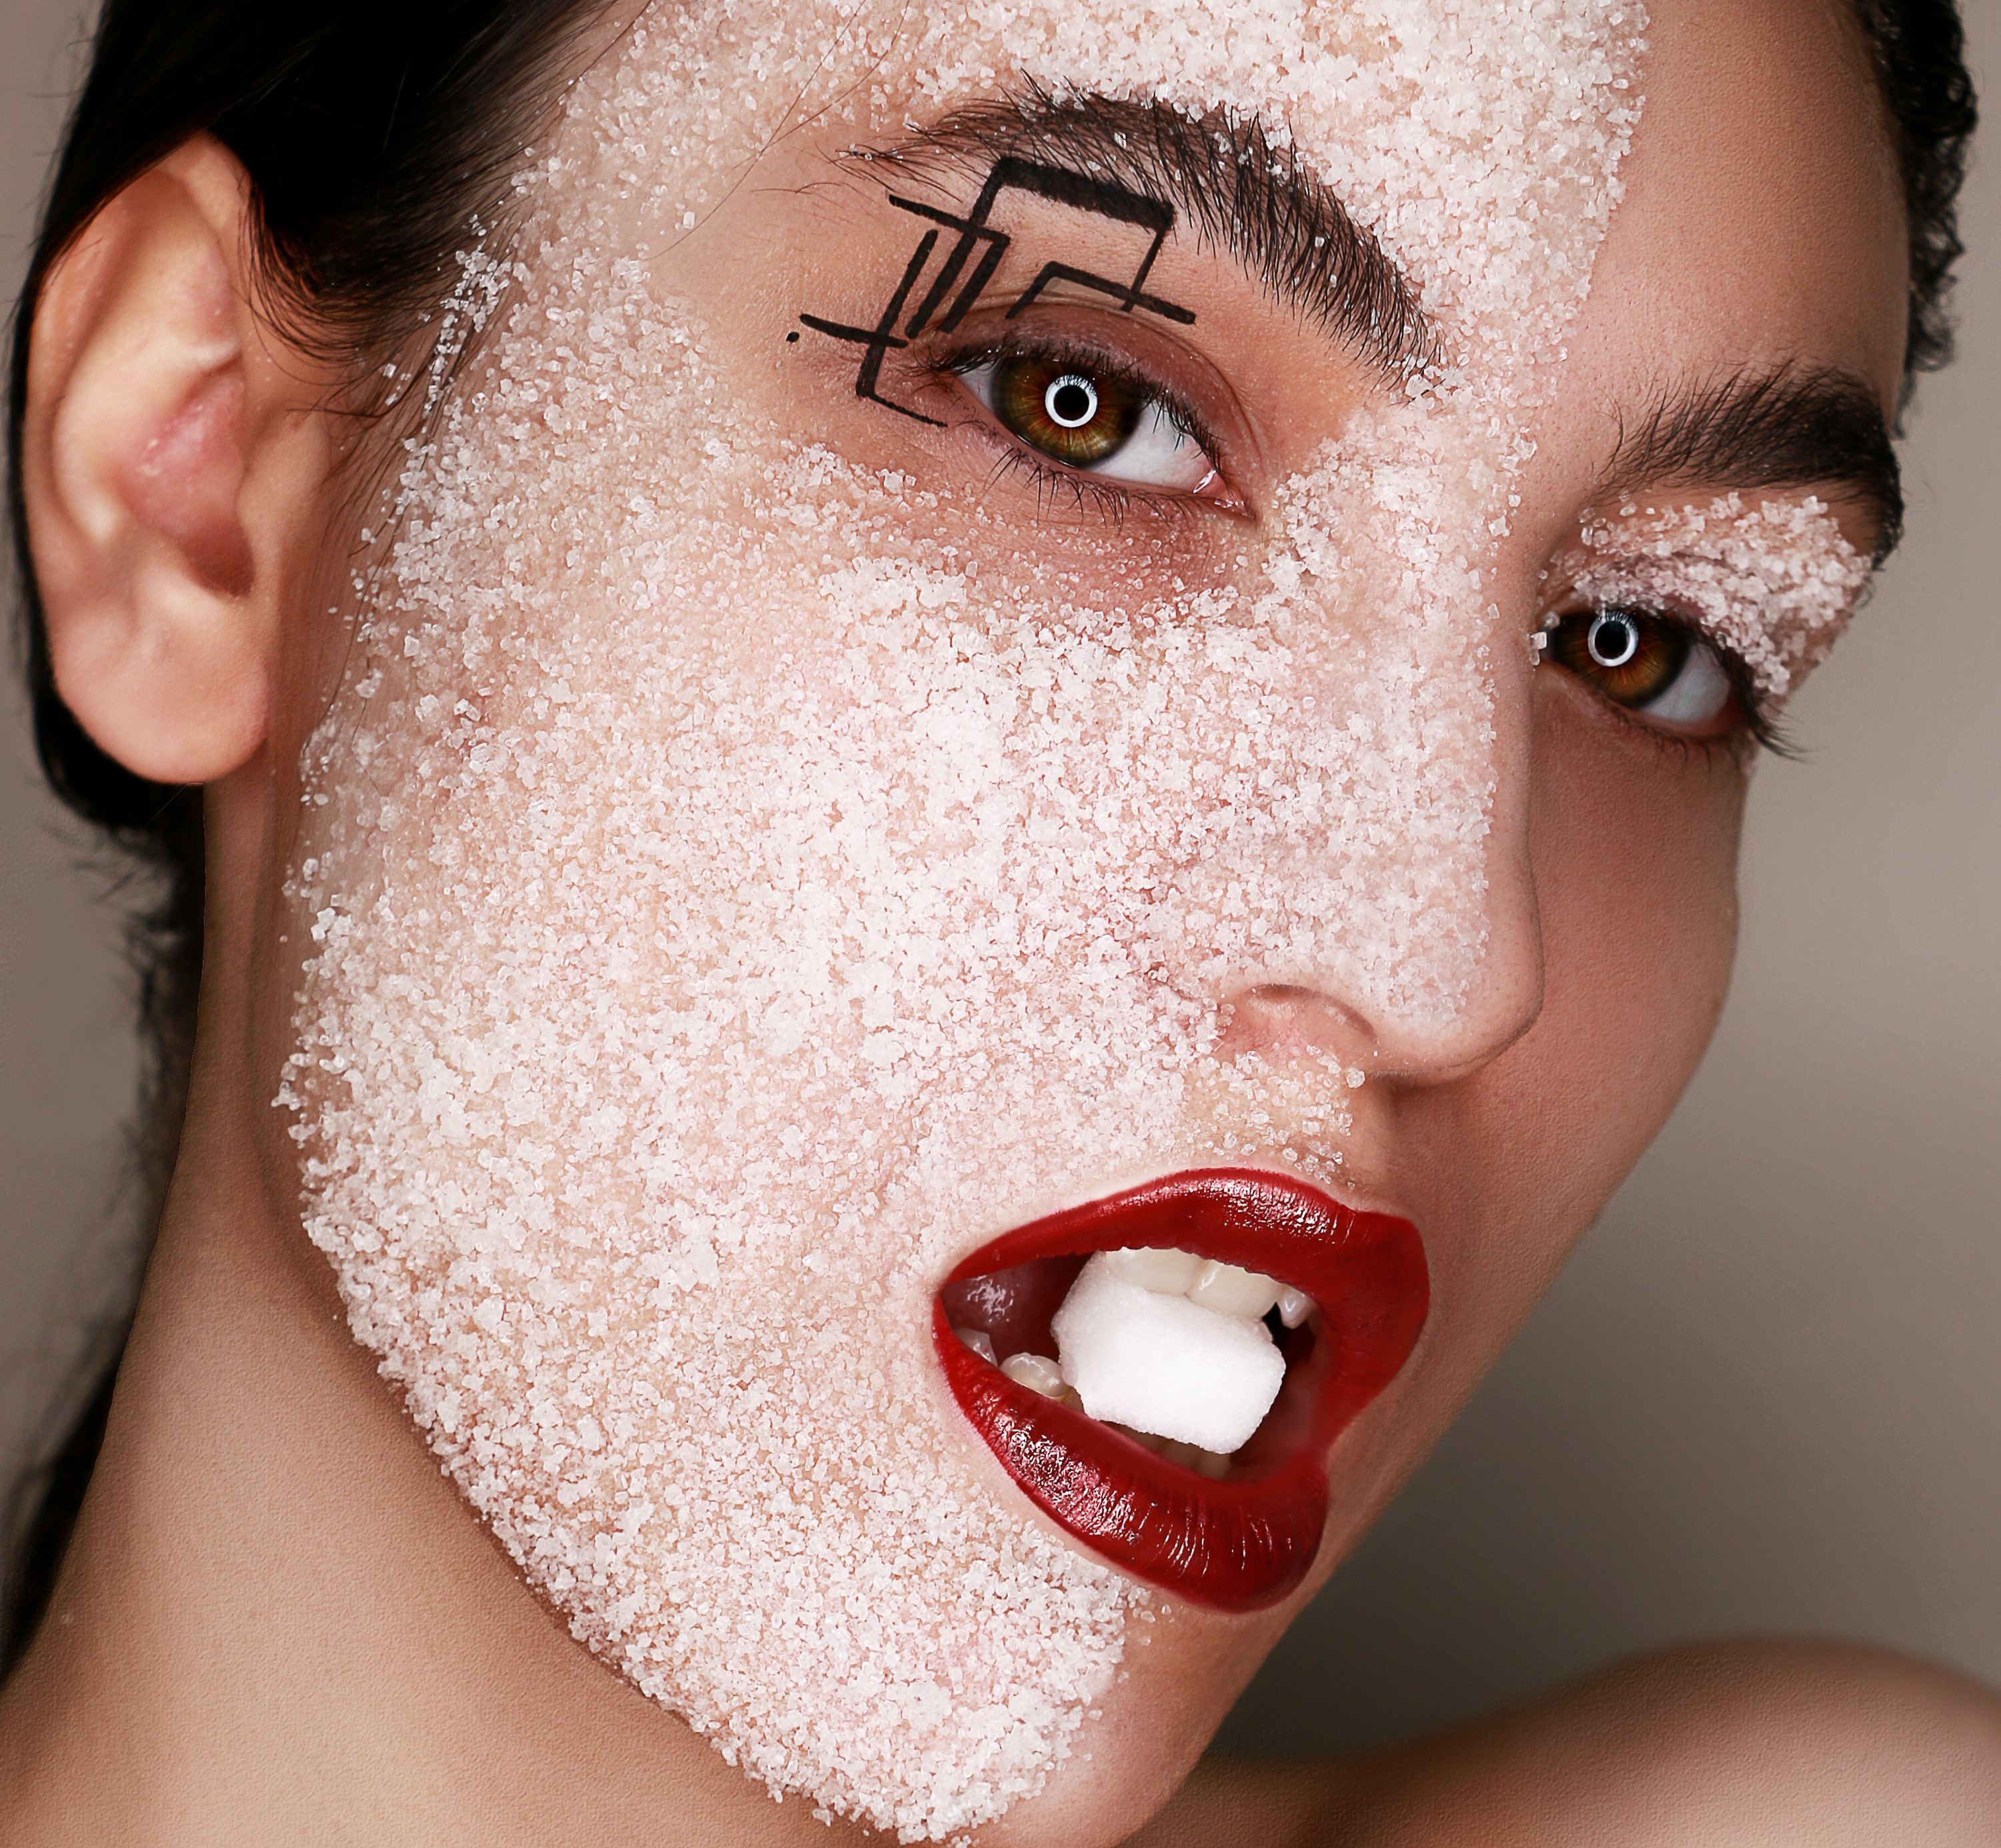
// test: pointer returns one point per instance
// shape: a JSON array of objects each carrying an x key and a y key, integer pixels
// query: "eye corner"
[
  {"x": 1658, "y": 672},
  {"x": 1092, "y": 421}
]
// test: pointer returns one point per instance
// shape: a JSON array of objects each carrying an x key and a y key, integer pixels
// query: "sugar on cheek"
[{"x": 730, "y": 908}]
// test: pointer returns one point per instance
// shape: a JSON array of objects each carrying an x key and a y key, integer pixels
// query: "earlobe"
[{"x": 172, "y": 456}]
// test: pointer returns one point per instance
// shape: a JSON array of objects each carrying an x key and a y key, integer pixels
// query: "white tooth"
[
  {"x": 1037, "y": 1372},
  {"x": 979, "y": 1342},
  {"x": 1294, "y": 1307},
  {"x": 1230, "y": 1291},
  {"x": 1170, "y": 1272},
  {"x": 1163, "y": 1364}
]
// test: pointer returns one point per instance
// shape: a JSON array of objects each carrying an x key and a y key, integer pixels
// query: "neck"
[{"x": 277, "y": 1621}]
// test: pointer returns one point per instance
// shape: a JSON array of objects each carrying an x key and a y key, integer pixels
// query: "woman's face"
[{"x": 966, "y": 647}]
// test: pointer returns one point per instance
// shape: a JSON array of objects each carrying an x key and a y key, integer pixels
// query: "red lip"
[{"x": 1246, "y": 1542}]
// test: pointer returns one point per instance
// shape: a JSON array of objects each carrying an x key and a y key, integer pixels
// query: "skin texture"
[{"x": 280, "y": 1623}]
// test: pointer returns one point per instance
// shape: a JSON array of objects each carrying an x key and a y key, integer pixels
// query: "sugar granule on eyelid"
[
  {"x": 1775, "y": 582},
  {"x": 731, "y": 906}
]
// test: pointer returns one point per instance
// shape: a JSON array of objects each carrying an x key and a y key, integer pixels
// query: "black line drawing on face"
[
  {"x": 1010, "y": 174},
  {"x": 876, "y": 341}
]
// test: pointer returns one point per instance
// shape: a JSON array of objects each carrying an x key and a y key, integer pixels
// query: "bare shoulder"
[{"x": 1761, "y": 1744}]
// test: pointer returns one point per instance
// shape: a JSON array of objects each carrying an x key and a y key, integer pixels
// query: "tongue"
[
  {"x": 1012, "y": 1307},
  {"x": 1165, "y": 1365}
]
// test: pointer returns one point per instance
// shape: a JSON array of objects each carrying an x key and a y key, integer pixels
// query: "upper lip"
[
  {"x": 1247, "y": 1541},
  {"x": 1262, "y": 1219}
]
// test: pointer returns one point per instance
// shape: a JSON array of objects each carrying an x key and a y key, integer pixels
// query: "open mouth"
[{"x": 1163, "y": 1372}]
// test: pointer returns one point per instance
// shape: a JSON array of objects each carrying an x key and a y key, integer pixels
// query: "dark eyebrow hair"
[
  {"x": 1784, "y": 427},
  {"x": 1787, "y": 426},
  {"x": 1244, "y": 193}
]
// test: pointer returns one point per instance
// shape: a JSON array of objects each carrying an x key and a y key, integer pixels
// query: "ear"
[{"x": 174, "y": 449}]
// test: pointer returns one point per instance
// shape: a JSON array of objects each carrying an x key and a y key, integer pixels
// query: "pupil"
[
  {"x": 1614, "y": 640},
  {"x": 1071, "y": 401}
]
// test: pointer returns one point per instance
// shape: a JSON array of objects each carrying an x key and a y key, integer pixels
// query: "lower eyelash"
[
  {"x": 1683, "y": 747},
  {"x": 1762, "y": 727},
  {"x": 1112, "y": 500}
]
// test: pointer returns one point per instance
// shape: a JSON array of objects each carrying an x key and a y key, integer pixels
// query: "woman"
[{"x": 964, "y": 780}]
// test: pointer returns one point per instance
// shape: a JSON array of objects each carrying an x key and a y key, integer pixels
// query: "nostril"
[{"x": 1285, "y": 1017}]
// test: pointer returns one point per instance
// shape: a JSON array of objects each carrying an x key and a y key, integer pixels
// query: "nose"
[
  {"x": 1285, "y": 1020},
  {"x": 1460, "y": 976},
  {"x": 1280, "y": 1019}
]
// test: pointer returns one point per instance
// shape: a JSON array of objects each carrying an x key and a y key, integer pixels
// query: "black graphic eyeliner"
[
  {"x": 1010, "y": 174},
  {"x": 877, "y": 341}
]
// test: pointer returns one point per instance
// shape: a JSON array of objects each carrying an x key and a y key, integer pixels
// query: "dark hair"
[
  {"x": 1918, "y": 50},
  {"x": 373, "y": 134}
]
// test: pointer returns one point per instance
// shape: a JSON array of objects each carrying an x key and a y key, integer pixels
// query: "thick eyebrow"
[
  {"x": 1244, "y": 193},
  {"x": 1787, "y": 426}
]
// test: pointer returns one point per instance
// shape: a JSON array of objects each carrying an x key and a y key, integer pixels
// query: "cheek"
[
  {"x": 1635, "y": 856},
  {"x": 1634, "y": 850},
  {"x": 1634, "y": 853}
]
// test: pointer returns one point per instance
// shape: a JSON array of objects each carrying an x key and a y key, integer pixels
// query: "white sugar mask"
[{"x": 728, "y": 911}]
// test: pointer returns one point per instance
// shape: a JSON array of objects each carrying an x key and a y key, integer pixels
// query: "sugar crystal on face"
[
  {"x": 1775, "y": 581},
  {"x": 730, "y": 908}
]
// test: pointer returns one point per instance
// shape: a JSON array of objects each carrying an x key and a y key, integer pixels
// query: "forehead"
[
  {"x": 1488, "y": 146},
  {"x": 1478, "y": 143},
  {"x": 1763, "y": 222}
]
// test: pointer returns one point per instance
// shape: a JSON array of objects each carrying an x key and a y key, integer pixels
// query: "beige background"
[{"x": 1767, "y": 1395}]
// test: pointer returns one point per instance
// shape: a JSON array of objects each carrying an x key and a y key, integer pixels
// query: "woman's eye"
[
  {"x": 1090, "y": 418},
  {"x": 1653, "y": 666}
]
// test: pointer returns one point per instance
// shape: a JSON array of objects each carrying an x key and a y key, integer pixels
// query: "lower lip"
[{"x": 1248, "y": 1542}]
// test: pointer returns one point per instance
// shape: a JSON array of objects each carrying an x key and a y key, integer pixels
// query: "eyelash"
[
  {"x": 1112, "y": 500},
  {"x": 1757, "y": 721}
]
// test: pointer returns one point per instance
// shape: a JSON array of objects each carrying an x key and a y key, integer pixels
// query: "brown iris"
[
  {"x": 1072, "y": 414},
  {"x": 1631, "y": 657}
]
